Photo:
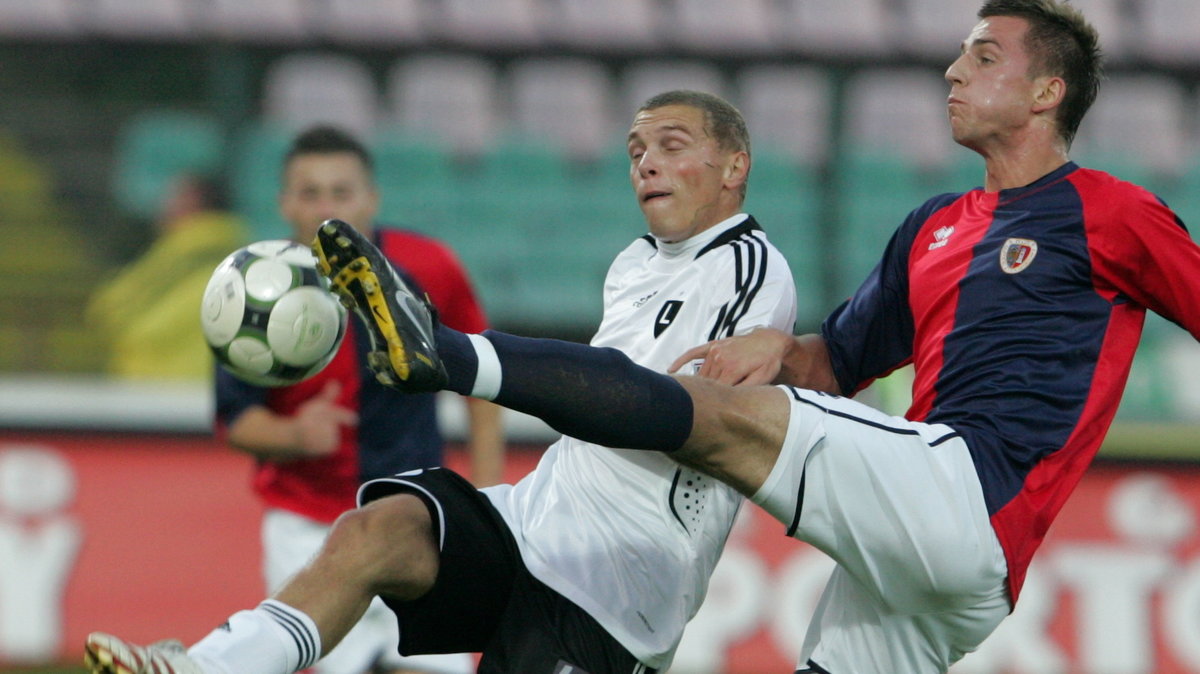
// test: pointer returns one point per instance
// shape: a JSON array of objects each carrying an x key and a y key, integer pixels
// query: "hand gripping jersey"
[
  {"x": 630, "y": 536},
  {"x": 1021, "y": 311},
  {"x": 396, "y": 431}
]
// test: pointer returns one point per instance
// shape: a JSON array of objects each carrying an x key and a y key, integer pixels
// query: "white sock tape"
[{"x": 487, "y": 377}]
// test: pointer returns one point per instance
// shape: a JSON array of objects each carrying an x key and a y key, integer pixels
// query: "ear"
[
  {"x": 1048, "y": 93},
  {"x": 737, "y": 169}
]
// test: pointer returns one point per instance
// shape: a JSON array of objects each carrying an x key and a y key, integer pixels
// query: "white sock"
[
  {"x": 274, "y": 638},
  {"x": 487, "y": 374}
]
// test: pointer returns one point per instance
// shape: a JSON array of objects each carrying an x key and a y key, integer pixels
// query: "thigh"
[
  {"x": 897, "y": 503},
  {"x": 736, "y": 432},
  {"x": 852, "y": 631},
  {"x": 478, "y": 562},
  {"x": 545, "y": 633}
]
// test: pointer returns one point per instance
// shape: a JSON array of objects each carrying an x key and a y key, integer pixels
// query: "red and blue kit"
[{"x": 1021, "y": 311}]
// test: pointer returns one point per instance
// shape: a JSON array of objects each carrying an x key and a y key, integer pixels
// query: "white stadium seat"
[
  {"x": 603, "y": 25},
  {"x": 836, "y": 27},
  {"x": 787, "y": 109},
  {"x": 902, "y": 110},
  {"x": 41, "y": 18},
  {"x": 271, "y": 21},
  {"x": 1143, "y": 120},
  {"x": 144, "y": 19},
  {"x": 488, "y": 23},
  {"x": 642, "y": 79},
  {"x": 373, "y": 22},
  {"x": 305, "y": 88},
  {"x": 449, "y": 97},
  {"x": 565, "y": 100},
  {"x": 936, "y": 28},
  {"x": 720, "y": 26},
  {"x": 1168, "y": 32}
]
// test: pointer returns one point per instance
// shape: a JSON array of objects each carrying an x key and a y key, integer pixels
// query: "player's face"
[
  {"x": 678, "y": 172},
  {"x": 991, "y": 93},
  {"x": 320, "y": 186}
]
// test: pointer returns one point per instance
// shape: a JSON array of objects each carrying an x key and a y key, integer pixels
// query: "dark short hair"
[
  {"x": 326, "y": 139},
  {"x": 1060, "y": 43},
  {"x": 723, "y": 121}
]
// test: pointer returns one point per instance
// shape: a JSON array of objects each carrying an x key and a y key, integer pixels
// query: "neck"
[{"x": 1020, "y": 163}]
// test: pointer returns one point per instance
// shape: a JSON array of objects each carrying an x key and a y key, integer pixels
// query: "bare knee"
[{"x": 388, "y": 545}]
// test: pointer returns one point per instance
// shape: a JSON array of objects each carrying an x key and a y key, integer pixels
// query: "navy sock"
[
  {"x": 458, "y": 355},
  {"x": 594, "y": 394}
]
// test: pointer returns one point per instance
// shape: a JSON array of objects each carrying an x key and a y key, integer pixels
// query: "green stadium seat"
[
  {"x": 875, "y": 192},
  {"x": 154, "y": 147},
  {"x": 418, "y": 182},
  {"x": 1147, "y": 394},
  {"x": 255, "y": 175},
  {"x": 786, "y": 199}
]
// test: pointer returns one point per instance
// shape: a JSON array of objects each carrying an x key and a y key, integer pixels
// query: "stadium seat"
[
  {"x": 255, "y": 176},
  {"x": 612, "y": 26},
  {"x": 1167, "y": 32},
  {"x": 452, "y": 98},
  {"x": 305, "y": 88},
  {"x": 155, "y": 146},
  {"x": 746, "y": 27},
  {"x": 787, "y": 109},
  {"x": 1117, "y": 33},
  {"x": 384, "y": 23},
  {"x": 53, "y": 19},
  {"x": 875, "y": 191},
  {"x": 844, "y": 28},
  {"x": 903, "y": 110},
  {"x": 1139, "y": 122},
  {"x": 418, "y": 182},
  {"x": 935, "y": 28},
  {"x": 787, "y": 200},
  {"x": 1148, "y": 391},
  {"x": 642, "y": 79},
  {"x": 565, "y": 101},
  {"x": 144, "y": 19},
  {"x": 487, "y": 23},
  {"x": 267, "y": 21}
]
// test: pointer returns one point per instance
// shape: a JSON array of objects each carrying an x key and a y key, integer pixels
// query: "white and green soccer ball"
[{"x": 269, "y": 316}]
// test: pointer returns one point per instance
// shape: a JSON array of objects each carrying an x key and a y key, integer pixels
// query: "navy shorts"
[{"x": 484, "y": 599}]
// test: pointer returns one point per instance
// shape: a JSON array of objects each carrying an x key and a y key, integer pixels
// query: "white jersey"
[{"x": 631, "y": 536}]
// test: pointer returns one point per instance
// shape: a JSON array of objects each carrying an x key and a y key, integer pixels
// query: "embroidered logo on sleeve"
[
  {"x": 941, "y": 237},
  {"x": 1017, "y": 254}
]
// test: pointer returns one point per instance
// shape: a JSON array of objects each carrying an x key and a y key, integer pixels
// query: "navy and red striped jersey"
[
  {"x": 1021, "y": 311},
  {"x": 396, "y": 431}
]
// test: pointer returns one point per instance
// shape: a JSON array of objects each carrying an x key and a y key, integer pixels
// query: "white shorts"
[
  {"x": 898, "y": 505},
  {"x": 289, "y": 542}
]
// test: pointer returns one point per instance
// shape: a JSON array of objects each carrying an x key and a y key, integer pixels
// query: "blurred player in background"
[
  {"x": 147, "y": 313},
  {"x": 598, "y": 558},
  {"x": 1020, "y": 306},
  {"x": 318, "y": 440}
]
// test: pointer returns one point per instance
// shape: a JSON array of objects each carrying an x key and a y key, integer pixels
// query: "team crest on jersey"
[
  {"x": 666, "y": 316},
  {"x": 1017, "y": 254}
]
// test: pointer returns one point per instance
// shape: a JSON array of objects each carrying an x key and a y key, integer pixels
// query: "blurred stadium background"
[{"x": 498, "y": 126}]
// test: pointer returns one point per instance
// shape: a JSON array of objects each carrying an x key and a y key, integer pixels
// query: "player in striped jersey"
[
  {"x": 1019, "y": 304},
  {"x": 599, "y": 557}
]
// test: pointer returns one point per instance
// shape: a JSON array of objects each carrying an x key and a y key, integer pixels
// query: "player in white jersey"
[
  {"x": 598, "y": 558},
  {"x": 656, "y": 528}
]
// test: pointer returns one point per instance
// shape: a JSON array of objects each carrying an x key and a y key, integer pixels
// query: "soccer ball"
[{"x": 269, "y": 316}]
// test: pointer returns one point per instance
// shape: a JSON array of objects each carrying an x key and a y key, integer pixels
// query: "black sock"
[{"x": 596, "y": 395}]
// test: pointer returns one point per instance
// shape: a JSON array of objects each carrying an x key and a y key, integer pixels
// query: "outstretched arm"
[{"x": 766, "y": 356}]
